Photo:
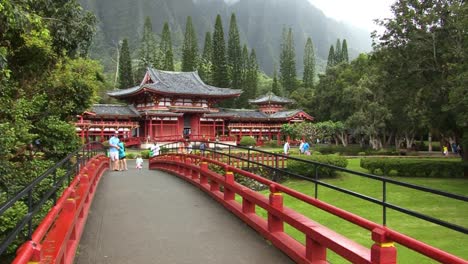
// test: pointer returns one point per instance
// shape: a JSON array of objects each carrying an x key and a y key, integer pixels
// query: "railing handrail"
[
  {"x": 86, "y": 151},
  {"x": 395, "y": 236},
  {"x": 382, "y": 179}
]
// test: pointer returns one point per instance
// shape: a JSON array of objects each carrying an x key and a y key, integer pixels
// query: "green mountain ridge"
[{"x": 260, "y": 25}]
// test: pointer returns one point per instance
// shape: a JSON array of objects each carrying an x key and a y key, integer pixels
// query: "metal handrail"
[
  {"x": 72, "y": 168},
  {"x": 384, "y": 180}
]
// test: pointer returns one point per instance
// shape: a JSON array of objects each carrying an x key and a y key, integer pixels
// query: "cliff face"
[{"x": 260, "y": 24}]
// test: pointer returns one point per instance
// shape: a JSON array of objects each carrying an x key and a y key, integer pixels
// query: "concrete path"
[{"x": 154, "y": 217}]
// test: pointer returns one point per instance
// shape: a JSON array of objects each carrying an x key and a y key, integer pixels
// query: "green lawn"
[{"x": 433, "y": 205}]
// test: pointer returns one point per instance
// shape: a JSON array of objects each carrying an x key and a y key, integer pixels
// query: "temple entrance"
[{"x": 187, "y": 125}]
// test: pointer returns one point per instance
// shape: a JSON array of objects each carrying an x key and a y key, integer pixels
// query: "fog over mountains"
[{"x": 260, "y": 25}]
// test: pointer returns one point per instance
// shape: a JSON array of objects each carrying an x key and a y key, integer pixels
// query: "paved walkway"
[{"x": 154, "y": 217}]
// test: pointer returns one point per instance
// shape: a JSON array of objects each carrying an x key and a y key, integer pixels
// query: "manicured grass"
[{"x": 430, "y": 204}]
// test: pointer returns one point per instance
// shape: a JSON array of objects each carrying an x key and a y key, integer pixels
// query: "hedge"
[
  {"x": 308, "y": 170},
  {"x": 247, "y": 141},
  {"x": 408, "y": 167}
]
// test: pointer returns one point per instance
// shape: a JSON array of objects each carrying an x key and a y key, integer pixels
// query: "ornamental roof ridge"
[{"x": 270, "y": 97}]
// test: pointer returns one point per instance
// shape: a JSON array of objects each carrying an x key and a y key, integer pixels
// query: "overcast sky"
[{"x": 359, "y": 13}]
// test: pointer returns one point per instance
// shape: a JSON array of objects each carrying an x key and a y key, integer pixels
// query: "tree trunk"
[
  {"x": 464, "y": 143},
  {"x": 429, "y": 138}
]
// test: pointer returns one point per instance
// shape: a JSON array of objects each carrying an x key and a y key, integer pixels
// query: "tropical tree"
[
  {"x": 344, "y": 51},
  {"x": 220, "y": 77},
  {"x": 234, "y": 54},
  {"x": 125, "y": 66},
  {"x": 288, "y": 62},
  {"x": 149, "y": 54},
  {"x": 309, "y": 64},
  {"x": 331, "y": 57},
  {"x": 190, "y": 48},
  {"x": 205, "y": 66},
  {"x": 167, "y": 61}
]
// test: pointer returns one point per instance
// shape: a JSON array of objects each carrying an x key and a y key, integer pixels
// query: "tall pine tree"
[
  {"x": 344, "y": 51},
  {"x": 234, "y": 54},
  {"x": 148, "y": 53},
  {"x": 220, "y": 76},
  {"x": 166, "y": 49},
  {"x": 275, "y": 87},
  {"x": 190, "y": 48},
  {"x": 288, "y": 62},
  {"x": 331, "y": 57},
  {"x": 252, "y": 75},
  {"x": 338, "y": 54},
  {"x": 204, "y": 67},
  {"x": 125, "y": 67},
  {"x": 309, "y": 64},
  {"x": 243, "y": 100}
]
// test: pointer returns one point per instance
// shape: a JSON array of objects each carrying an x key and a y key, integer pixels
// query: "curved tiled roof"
[
  {"x": 243, "y": 114},
  {"x": 271, "y": 98},
  {"x": 183, "y": 83},
  {"x": 114, "y": 110}
]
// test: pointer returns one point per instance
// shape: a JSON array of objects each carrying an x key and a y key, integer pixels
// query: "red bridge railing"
[
  {"x": 56, "y": 238},
  {"x": 318, "y": 238}
]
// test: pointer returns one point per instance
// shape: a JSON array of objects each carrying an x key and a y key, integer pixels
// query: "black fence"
[
  {"x": 56, "y": 179},
  {"x": 274, "y": 166}
]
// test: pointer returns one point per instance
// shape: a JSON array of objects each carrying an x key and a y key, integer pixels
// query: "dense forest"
[{"x": 260, "y": 25}]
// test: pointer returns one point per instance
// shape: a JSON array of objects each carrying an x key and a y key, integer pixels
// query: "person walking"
[
  {"x": 306, "y": 148},
  {"x": 122, "y": 157},
  {"x": 114, "y": 151},
  {"x": 155, "y": 149},
  {"x": 301, "y": 147},
  {"x": 286, "y": 148}
]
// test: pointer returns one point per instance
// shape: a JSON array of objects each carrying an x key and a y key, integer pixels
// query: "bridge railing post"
[
  {"x": 228, "y": 184},
  {"x": 204, "y": 169},
  {"x": 275, "y": 224},
  {"x": 383, "y": 251}
]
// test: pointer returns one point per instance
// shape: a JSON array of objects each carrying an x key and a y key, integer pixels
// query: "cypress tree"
[
  {"x": 288, "y": 62},
  {"x": 309, "y": 64},
  {"x": 243, "y": 100},
  {"x": 252, "y": 75},
  {"x": 125, "y": 67},
  {"x": 344, "y": 51},
  {"x": 190, "y": 48},
  {"x": 149, "y": 53},
  {"x": 234, "y": 54},
  {"x": 275, "y": 88},
  {"x": 204, "y": 68},
  {"x": 331, "y": 57},
  {"x": 166, "y": 49},
  {"x": 220, "y": 76},
  {"x": 338, "y": 54}
]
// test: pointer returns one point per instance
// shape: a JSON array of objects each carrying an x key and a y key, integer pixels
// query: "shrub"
[
  {"x": 408, "y": 167},
  {"x": 145, "y": 154},
  {"x": 247, "y": 141},
  {"x": 271, "y": 144},
  {"x": 362, "y": 153},
  {"x": 131, "y": 155},
  {"x": 307, "y": 169}
]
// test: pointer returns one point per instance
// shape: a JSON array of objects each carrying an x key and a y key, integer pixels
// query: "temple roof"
[
  {"x": 182, "y": 83},
  {"x": 243, "y": 114},
  {"x": 271, "y": 98},
  {"x": 113, "y": 110}
]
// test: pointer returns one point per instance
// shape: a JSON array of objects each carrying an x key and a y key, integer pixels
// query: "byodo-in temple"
[{"x": 170, "y": 106}]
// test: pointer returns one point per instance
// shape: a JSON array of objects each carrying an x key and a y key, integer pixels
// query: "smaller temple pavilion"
[{"x": 170, "y": 106}]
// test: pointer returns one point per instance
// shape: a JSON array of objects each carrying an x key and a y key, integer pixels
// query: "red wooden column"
[{"x": 150, "y": 129}]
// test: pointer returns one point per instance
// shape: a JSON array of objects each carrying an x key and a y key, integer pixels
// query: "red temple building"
[{"x": 169, "y": 106}]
